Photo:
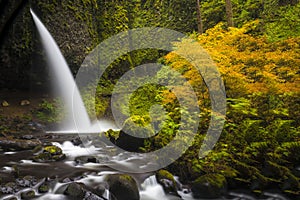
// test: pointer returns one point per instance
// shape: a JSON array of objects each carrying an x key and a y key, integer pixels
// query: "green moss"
[
  {"x": 28, "y": 194},
  {"x": 44, "y": 188},
  {"x": 164, "y": 174},
  {"x": 54, "y": 150},
  {"x": 209, "y": 186},
  {"x": 111, "y": 134},
  {"x": 217, "y": 180},
  {"x": 50, "y": 153},
  {"x": 125, "y": 177},
  {"x": 138, "y": 126},
  {"x": 123, "y": 186}
]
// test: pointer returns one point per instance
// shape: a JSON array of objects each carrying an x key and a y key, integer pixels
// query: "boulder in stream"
[
  {"x": 123, "y": 187},
  {"x": 80, "y": 191},
  {"x": 166, "y": 179},
  {"x": 29, "y": 194},
  {"x": 50, "y": 153}
]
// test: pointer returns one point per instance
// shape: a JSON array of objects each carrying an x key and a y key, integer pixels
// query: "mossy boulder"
[
  {"x": 44, "y": 188},
  {"x": 79, "y": 191},
  {"x": 133, "y": 134},
  {"x": 54, "y": 150},
  {"x": 123, "y": 187},
  {"x": 30, "y": 194},
  {"x": 9, "y": 188},
  {"x": 50, "y": 153},
  {"x": 27, "y": 181},
  {"x": 209, "y": 186},
  {"x": 75, "y": 190},
  {"x": 166, "y": 179}
]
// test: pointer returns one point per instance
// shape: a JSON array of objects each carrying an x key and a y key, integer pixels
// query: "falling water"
[
  {"x": 67, "y": 87},
  {"x": 64, "y": 79}
]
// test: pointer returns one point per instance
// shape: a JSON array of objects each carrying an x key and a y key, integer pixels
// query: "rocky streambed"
[{"x": 39, "y": 165}]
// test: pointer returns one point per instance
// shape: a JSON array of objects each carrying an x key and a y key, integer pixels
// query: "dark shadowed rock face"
[{"x": 21, "y": 57}]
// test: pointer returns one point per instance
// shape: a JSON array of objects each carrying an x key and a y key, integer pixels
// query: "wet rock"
[
  {"x": 76, "y": 141},
  {"x": 50, "y": 153},
  {"x": 5, "y": 103},
  {"x": 75, "y": 190},
  {"x": 18, "y": 144},
  {"x": 100, "y": 189},
  {"x": 209, "y": 186},
  {"x": 166, "y": 179},
  {"x": 28, "y": 137},
  {"x": 30, "y": 194},
  {"x": 53, "y": 150},
  {"x": 67, "y": 180},
  {"x": 86, "y": 159},
  {"x": 26, "y": 181},
  {"x": 91, "y": 196},
  {"x": 25, "y": 102},
  {"x": 123, "y": 187},
  {"x": 44, "y": 187},
  {"x": 79, "y": 191},
  {"x": 9, "y": 188},
  {"x": 37, "y": 149}
]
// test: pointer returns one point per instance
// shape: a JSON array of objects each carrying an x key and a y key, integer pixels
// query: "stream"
[
  {"x": 89, "y": 172},
  {"x": 80, "y": 166}
]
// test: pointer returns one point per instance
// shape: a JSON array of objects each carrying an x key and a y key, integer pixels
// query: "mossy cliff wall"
[{"x": 71, "y": 23}]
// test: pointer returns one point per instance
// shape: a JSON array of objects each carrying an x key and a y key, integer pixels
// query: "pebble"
[
  {"x": 24, "y": 103},
  {"x": 5, "y": 103}
]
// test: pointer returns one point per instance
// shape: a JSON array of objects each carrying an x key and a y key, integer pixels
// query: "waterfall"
[
  {"x": 64, "y": 80},
  {"x": 66, "y": 85}
]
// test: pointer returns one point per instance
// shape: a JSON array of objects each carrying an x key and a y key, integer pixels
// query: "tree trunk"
[
  {"x": 199, "y": 18},
  {"x": 229, "y": 14}
]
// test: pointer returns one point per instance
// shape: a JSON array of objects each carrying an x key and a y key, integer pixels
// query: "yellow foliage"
[{"x": 247, "y": 63}]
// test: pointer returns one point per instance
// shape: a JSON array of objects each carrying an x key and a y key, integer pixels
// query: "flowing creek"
[
  {"x": 79, "y": 166},
  {"x": 92, "y": 172}
]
